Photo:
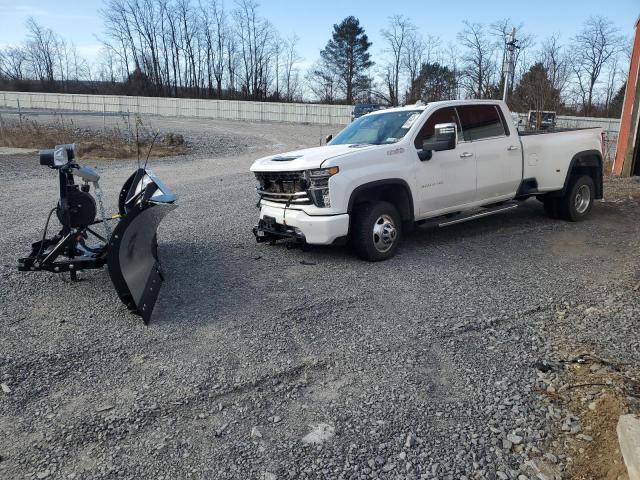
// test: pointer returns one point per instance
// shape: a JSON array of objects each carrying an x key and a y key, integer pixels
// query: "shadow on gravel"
[
  {"x": 527, "y": 217},
  {"x": 207, "y": 280},
  {"x": 528, "y": 214},
  {"x": 201, "y": 280}
]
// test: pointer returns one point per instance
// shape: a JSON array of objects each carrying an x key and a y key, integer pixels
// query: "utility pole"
[{"x": 507, "y": 68}]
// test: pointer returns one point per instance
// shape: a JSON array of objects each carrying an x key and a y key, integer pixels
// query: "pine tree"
[
  {"x": 347, "y": 56},
  {"x": 535, "y": 91},
  {"x": 615, "y": 107},
  {"x": 434, "y": 83}
]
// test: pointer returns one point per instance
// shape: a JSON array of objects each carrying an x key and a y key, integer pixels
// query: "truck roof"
[{"x": 423, "y": 106}]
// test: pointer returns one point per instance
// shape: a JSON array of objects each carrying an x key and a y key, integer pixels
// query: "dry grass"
[{"x": 110, "y": 143}]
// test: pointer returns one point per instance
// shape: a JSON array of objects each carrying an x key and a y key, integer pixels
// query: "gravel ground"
[{"x": 273, "y": 363}]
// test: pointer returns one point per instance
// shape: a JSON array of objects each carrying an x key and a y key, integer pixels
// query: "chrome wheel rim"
[
  {"x": 583, "y": 198},
  {"x": 384, "y": 233}
]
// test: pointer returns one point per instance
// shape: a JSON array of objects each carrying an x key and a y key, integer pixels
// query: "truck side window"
[
  {"x": 444, "y": 115},
  {"x": 480, "y": 121}
]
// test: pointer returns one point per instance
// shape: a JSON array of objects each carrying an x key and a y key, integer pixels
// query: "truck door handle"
[
  {"x": 512, "y": 147},
  {"x": 466, "y": 155}
]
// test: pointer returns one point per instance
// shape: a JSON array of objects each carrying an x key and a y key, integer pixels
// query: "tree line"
[{"x": 206, "y": 49}]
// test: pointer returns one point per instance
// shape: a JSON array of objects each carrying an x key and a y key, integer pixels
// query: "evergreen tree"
[
  {"x": 535, "y": 91},
  {"x": 139, "y": 83},
  {"x": 435, "y": 82},
  {"x": 347, "y": 56},
  {"x": 615, "y": 107}
]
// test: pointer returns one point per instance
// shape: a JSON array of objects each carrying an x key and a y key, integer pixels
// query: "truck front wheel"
[
  {"x": 576, "y": 204},
  {"x": 375, "y": 231}
]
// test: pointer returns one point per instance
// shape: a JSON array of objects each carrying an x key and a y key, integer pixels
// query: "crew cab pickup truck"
[{"x": 444, "y": 162}]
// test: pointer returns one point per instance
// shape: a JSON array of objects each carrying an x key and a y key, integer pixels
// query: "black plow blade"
[{"x": 132, "y": 257}]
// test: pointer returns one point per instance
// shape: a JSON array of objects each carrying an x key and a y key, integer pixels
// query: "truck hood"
[{"x": 305, "y": 159}]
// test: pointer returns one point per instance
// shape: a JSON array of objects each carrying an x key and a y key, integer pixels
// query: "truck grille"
[{"x": 283, "y": 187}]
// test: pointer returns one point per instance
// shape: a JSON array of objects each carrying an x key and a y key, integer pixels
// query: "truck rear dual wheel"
[
  {"x": 576, "y": 203},
  {"x": 375, "y": 231}
]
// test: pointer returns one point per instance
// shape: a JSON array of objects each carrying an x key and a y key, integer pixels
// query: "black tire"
[
  {"x": 577, "y": 203},
  {"x": 369, "y": 219}
]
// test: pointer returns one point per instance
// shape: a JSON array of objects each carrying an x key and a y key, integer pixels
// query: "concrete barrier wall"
[
  {"x": 181, "y": 107},
  {"x": 227, "y": 109}
]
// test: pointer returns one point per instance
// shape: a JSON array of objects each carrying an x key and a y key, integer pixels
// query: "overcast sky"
[{"x": 79, "y": 20}]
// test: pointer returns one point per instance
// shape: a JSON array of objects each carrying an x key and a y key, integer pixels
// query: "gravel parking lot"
[{"x": 264, "y": 362}]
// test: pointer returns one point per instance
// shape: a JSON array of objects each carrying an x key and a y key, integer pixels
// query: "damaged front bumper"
[
  {"x": 277, "y": 223},
  {"x": 268, "y": 230}
]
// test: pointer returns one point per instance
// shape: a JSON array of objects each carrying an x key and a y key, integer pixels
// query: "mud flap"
[{"x": 132, "y": 258}]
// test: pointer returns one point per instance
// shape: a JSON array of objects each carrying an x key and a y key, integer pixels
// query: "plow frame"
[{"x": 130, "y": 251}]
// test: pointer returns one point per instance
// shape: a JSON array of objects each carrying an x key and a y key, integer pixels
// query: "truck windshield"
[{"x": 378, "y": 129}]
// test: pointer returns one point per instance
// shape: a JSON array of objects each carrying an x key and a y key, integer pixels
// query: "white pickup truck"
[{"x": 444, "y": 162}]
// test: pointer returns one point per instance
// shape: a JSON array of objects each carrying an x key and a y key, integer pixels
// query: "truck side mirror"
[
  {"x": 444, "y": 138},
  {"x": 329, "y": 138}
]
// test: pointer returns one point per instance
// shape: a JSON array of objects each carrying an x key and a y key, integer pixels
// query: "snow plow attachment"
[
  {"x": 132, "y": 252},
  {"x": 128, "y": 248}
]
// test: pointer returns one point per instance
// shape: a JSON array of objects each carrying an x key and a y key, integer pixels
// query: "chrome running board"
[{"x": 488, "y": 212}]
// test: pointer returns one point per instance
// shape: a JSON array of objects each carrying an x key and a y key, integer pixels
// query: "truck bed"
[
  {"x": 547, "y": 155},
  {"x": 525, "y": 133}
]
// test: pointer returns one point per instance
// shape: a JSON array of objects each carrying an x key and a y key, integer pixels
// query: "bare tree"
[
  {"x": 557, "y": 63},
  {"x": 612, "y": 83},
  {"x": 188, "y": 32},
  {"x": 255, "y": 39},
  {"x": 220, "y": 36},
  {"x": 233, "y": 62},
  {"x": 13, "y": 63},
  {"x": 478, "y": 57},
  {"x": 196, "y": 48},
  {"x": 291, "y": 74},
  {"x": 42, "y": 52},
  {"x": 418, "y": 51},
  {"x": 452, "y": 56},
  {"x": 323, "y": 83},
  {"x": 396, "y": 36},
  {"x": 109, "y": 66},
  {"x": 596, "y": 45}
]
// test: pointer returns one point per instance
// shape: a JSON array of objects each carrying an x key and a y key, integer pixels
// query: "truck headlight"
[{"x": 319, "y": 185}]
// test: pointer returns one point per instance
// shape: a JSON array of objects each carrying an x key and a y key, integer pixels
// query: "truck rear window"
[{"x": 480, "y": 121}]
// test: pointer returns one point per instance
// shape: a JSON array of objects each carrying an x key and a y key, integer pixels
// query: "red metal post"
[{"x": 629, "y": 122}]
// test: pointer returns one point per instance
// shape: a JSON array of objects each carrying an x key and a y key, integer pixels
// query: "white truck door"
[
  {"x": 448, "y": 179},
  {"x": 497, "y": 151}
]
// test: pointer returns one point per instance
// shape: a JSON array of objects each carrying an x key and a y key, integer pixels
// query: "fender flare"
[
  {"x": 586, "y": 158},
  {"x": 383, "y": 183}
]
